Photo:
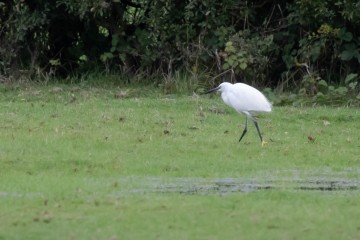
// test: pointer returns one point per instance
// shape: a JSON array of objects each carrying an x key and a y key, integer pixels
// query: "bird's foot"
[{"x": 263, "y": 143}]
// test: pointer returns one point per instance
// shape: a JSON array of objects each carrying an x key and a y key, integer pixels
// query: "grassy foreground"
[{"x": 80, "y": 163}]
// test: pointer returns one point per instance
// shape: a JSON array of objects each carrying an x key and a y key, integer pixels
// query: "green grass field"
[{"x": 81, "y": 162}]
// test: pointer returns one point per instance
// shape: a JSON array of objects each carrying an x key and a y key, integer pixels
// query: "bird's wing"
[{"x": 243, "y": 97}]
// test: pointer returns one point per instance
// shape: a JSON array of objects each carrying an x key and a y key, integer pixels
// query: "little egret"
[{"x": 244, "y": 99}]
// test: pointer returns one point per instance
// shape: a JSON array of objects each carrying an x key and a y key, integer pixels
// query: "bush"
[{"x": 299, "y": 44}]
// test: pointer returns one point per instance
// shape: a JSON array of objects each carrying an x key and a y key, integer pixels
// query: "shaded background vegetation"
[{"x": 311, "y": 46}]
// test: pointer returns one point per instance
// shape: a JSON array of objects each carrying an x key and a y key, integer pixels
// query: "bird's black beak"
[{"x": 212, "y": 90}]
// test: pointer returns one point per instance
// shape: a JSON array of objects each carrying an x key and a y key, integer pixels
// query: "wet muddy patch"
[{"x": 224, "y": 186}]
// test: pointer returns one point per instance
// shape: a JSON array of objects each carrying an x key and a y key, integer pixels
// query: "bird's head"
[{"x": 219, "y": 88}]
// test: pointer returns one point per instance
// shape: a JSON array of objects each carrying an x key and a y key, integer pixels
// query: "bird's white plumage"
[{"x": 244, "y": 98}]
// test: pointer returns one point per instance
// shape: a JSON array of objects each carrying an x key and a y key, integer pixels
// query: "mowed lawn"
[{"x": 79, "y": 162}]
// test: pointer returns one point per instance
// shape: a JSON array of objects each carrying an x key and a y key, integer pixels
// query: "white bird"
[{"x": 244, "y": 99}]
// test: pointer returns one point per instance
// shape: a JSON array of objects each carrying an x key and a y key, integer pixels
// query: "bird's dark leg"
[
  {"x": 245, "y": 129},
  {"x": 257, "y": 127}
]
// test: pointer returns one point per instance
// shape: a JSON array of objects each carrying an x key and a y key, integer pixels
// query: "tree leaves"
[{"x": 351, "y": 51}]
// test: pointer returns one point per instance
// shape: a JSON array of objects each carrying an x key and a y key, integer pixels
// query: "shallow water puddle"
[
  {"x": 19, "y": 195},
  {"x": 225, "y": 186},
  {"x": 296, "y": 181}
]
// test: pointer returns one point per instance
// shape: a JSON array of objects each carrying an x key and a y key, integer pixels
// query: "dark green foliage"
[{"x": 267, "y": 43}]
